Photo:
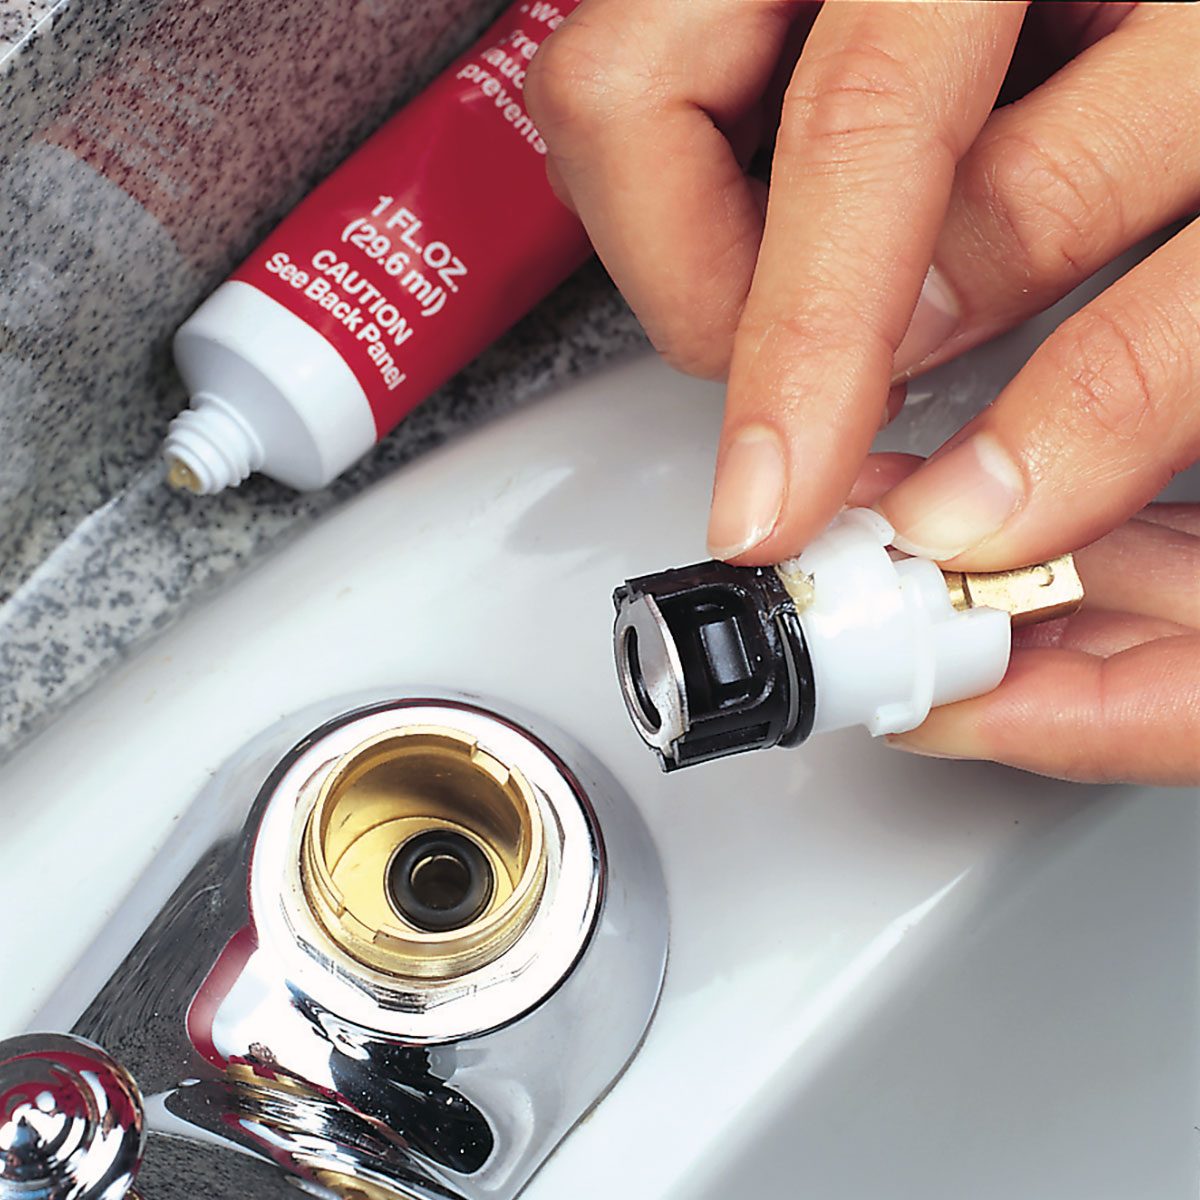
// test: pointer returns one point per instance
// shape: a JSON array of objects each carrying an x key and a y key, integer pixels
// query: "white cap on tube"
[{"x": 269, "y": 393}]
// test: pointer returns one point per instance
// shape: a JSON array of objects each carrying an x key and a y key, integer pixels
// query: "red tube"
[{"x": 418, "y": 252}]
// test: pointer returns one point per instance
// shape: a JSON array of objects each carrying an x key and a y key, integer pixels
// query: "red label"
[{"x": 438, "y": 234}]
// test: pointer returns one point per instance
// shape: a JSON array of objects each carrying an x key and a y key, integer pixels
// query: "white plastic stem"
[{"x": 886, "y": 643}]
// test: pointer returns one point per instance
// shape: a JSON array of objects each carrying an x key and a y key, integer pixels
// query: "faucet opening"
[
  {"x": 440, "y": 880},
  {"x": 425, "y": 867},
  {"x": 424, "y": 854}
]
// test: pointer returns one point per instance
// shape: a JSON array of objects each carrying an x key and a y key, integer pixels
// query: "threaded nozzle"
[{"x": 210, "y": 447}]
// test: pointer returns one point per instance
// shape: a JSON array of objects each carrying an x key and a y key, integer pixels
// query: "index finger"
[
  {"x": 639, "y": 104},
  {"x": 884, "y": 101}
]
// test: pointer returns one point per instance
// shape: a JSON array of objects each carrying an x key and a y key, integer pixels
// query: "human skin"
[{"x": 908, "y": 218}]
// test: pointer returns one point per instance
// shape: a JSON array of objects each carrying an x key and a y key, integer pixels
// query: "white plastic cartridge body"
[{"x": 886, "y": 643}]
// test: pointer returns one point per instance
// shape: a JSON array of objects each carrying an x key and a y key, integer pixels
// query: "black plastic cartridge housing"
[{"x": 712, "y": 661}]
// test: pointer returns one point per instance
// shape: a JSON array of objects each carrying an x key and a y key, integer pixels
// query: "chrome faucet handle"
[{"x": 70, "y": 1121}]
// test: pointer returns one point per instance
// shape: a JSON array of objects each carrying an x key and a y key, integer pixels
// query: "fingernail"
[
  {"x": 934, "y": 319},
  {"x": 748, "y": 493},
  {"x": 897, "y": 743},
  {"x": 956, "y": 500}
]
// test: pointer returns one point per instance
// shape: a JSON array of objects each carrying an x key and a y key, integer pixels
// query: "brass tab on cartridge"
[{"x": 1031, "y": 594}]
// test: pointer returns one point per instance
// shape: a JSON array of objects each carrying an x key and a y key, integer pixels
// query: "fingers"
[
  {"x": 637, "y": 103},
  {"x": 1090, "y": 430},
  {"x": 1184, "y": 517},
  {"x": 1097, "y": 632},
  {"x": 896, "y": 396},
  {"x": 1149, "y": 567},
  {"x": 1079, "y": 23},
  {"x": 879, "y": 474},
  {"x": 1134, "y": 716},
  {"x": 1063, "y": 180},
  {"x": 1112, "y": 692},
  {"x": 1145, "y": 568},
  {"x": 884, "y": 100}
]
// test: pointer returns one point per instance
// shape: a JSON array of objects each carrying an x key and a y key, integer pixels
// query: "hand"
[
  {"x": 905, "y": 222},
  {"x": 1110, "y": 693}
]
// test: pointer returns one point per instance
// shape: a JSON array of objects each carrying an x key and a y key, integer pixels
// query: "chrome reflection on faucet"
[
  {"x": 70, "y": 1121},
  {"x": 428, "y": 952}
]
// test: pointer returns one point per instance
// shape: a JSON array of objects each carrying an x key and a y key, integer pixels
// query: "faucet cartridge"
[{"x": 716, "y": 660}]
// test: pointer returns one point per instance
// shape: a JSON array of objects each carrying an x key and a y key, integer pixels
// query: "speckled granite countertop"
[
  {"x": 18, "y": 21},
  {"x": 145, "y": 145}
]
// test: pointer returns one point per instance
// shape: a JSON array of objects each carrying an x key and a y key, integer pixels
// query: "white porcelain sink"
[{"x": 888, "y": 976}]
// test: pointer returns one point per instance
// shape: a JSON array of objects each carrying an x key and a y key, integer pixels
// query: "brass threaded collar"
[{"x": 395, "y": 786}]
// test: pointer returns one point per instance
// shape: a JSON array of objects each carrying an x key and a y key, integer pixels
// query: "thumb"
[{"x": 1090, "y": 430}]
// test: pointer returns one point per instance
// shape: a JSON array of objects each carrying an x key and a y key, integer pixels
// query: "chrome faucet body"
[{"x": 269, "y": 1055}]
